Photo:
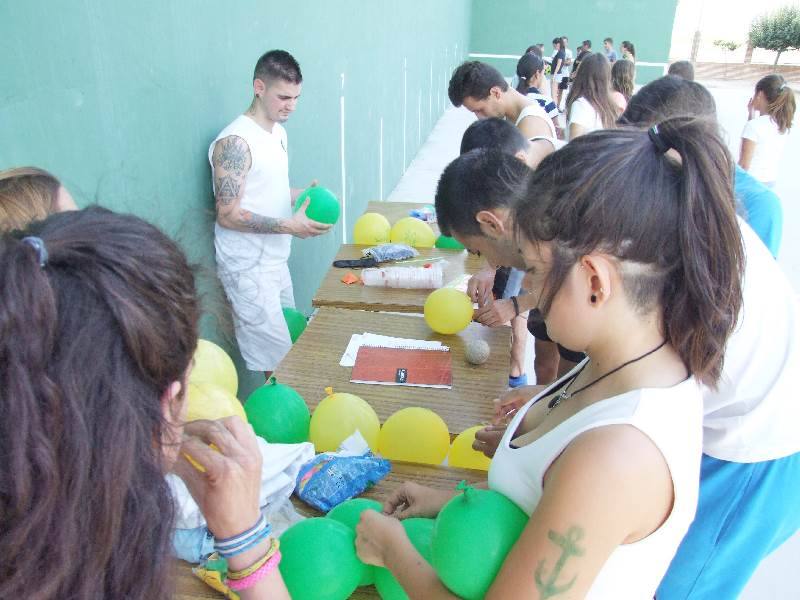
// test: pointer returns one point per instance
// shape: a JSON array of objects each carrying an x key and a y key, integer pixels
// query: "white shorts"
[{"x": 257, "y": 299}]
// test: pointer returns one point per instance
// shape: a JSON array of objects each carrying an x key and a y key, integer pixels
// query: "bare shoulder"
[{"x": 232, "y": 154}]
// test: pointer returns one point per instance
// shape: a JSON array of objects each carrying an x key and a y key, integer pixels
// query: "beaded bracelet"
[
  {"x": 273, "y": 548},
  {"x": 238, "y": 585}
]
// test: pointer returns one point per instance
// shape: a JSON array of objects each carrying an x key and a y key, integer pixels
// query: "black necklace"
[{"x": 566, "y": 394}]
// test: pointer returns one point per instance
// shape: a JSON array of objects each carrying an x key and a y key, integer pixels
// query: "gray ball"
[{"x": 477, "y": 352}]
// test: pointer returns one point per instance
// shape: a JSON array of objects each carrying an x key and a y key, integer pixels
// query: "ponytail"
[
  {"x": 527, "y": 66},
  {"x": 780, "y": 100},
  {"x": 662, "y": 203}
]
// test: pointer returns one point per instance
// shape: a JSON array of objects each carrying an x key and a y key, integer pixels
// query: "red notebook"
[{"x": 403, "y": 366}]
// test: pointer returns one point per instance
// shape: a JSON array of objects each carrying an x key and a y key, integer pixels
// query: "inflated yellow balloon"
[
  {"x": 337, "y": 417},
  {"x": 412, "y": 232},
  {"x": 371, "y": 228},
  {"x": 462, "y": 454},
  {"x": 415, "y": 435},
  {"x": 213, "y": 365},
  {"x": 448, "y": 310},
  {"x": 209, "y": 401}
]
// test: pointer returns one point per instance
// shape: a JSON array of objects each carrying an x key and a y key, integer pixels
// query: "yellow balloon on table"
[
  {"x": 461, "y": 452},
  {"x": 213, "y": 365},
  {"x": 415, "y": 435},
  {"x": 209, "y": 401},
  {"x": 448, "y": 310},
  {"x": 371, "y": 228},
  {"x": 337, "y": 417},
  {"x": 413, "y": 232}
]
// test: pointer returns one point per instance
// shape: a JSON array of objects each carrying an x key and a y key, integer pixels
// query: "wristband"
[
  {"x": 273, "y": 548},
  {"x": 237, "y": 585}
]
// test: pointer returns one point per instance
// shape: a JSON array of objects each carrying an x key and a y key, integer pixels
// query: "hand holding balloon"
[
  {"x": 414, "y": 500},
  {"x": 376, "y": 535},
  {"x": 227, "y": 491}
]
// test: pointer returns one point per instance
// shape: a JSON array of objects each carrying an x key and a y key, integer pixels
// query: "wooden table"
[
  {"x": 191, "y": 588},
  {"x": 313, "y": 364},
  {"x": 394, "y": 211},
  {"x": 333, "y": 293}
]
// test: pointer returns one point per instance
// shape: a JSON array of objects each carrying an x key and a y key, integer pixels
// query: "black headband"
[{"x": 661, "y": 146}]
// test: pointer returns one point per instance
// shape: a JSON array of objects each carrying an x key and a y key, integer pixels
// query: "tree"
[
  {"x": 728, "y": 45},
  {"x": 778, "y": 31}
]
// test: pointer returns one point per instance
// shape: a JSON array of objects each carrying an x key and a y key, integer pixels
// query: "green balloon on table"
[
  {"x": 278, "y": 413},
  {"x": 295, "y": 321},
  {"x": 448, "y": 243},
  {"x": 420, "y": 533},
  {"x": 472, "y": 535},
  {"x": 319, "y": 560},
  {"x": 349, "y": 513},
  {"x": 323, "y": 208}
]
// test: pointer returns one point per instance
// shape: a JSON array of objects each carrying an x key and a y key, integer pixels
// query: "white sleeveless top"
[
  {"x": 266, "y": 193},
  {"x": 672, "y": 419},
  {"x": 534, "y": 109}
]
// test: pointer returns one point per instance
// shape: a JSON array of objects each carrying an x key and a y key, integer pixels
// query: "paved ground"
[{"x": 778, "y": 576}]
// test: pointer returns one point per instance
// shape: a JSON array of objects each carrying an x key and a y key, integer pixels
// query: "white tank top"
[
  {"x": 672, "y": 419},
  {"x": 535, "y": 110},
  {"x": 266, "y": 193}
]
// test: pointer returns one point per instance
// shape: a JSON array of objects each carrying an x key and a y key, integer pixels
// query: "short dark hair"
[
  {"x": 481, "y": 179},
  {"x": 587, "y": 43},
  {"x": 609, "y": 40},
  {"x": 493, "y": 133},
  {"x": 682, "y": 68},
  {"x": 277, "y": 64},
  {"x": 667, "y": 97},
  {"x": 559, "y": 41},
  {"x": 474, "y": 79}
]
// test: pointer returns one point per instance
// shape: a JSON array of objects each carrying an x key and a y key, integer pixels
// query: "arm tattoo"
[
  {"x": 569, "y": 547},
  {"x": 232, "y": 155},
  {"x": 261, "y": 224},
  {"x": 227, "y": 188}
]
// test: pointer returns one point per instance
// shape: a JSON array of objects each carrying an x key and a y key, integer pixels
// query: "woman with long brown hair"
[
  {"x": 29, "y": 194},
  {"x": 98, "y": 325},
  {"x": 770, "y": 116},
  {"x": 635, "y": 257},
  {"x": 589, "y": 104},
  {"x": 623, "y": 76}
]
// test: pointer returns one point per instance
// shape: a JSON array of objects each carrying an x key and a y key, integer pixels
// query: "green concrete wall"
[
  {"x": 121, "y": 100},
  {"x": 510, "y": 26}
]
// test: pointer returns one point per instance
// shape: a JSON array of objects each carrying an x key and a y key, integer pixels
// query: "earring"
[{"x": 593, "y": 298}]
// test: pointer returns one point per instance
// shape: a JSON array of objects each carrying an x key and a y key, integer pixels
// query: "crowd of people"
[{"x": 656, "y": 455}]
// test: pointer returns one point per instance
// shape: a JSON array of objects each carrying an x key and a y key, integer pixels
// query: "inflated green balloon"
[
  {"x": 420, "y": 532},
  {"x": 295, "y": 321},
  {"x": 445, "y": 241},
  {"x": 278, "y": 413},
  {"x": 472, "y": 535},
  {"x": 349, "y": 513},
  {"x": 323, "y": 208},
  {"x": 319, "y": 560}
]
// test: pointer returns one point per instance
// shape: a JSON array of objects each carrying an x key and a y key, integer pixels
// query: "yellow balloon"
[
  {"x": 213, "y": 365},
  {"x": 412, "y": 232},
  {"x": 337, "y": 417},
  {"x": 415, "y": 435},
  {"x": 448, "y": 310},
  {"x": 371, "y": 228},
  {"x": 209, "y": 401},
  {"x": 462, "y": 454}
]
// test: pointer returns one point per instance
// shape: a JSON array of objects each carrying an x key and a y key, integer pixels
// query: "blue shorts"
[{"x": 745, "y": 511}]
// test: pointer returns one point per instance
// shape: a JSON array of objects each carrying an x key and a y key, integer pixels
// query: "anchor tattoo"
[{"x": 569, "y": 547}]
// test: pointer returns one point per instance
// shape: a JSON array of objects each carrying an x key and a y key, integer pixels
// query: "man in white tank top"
[{"x": 252, "y": 233}]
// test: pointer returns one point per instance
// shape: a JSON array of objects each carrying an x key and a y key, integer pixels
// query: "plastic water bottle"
[{"x": 430, "y": 277}]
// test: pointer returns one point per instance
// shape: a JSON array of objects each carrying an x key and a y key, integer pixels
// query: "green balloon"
[
  {"x": 444, "y": 241},
  {"x": 295, "y": 321},
  {"x": 420, "y": 532},
  {"x": 471, "y": 538},
  {"x": 319, "y": 560},
  {"x": 323, "y": 208},
  {"x": 278, "y": 413},
  {"x": 349, "y": 513}
]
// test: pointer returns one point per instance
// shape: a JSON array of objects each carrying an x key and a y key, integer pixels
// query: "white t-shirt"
[
  {"x": 671, "y": 418},
  {"x": 582, "y": 113},
  {"x": 534, "y": 109},
  {"x": 266, "y": 193},
  {"x": 769, "y": 147},
  {"x": 755, "y": 413},
  {"x": 565, "y": 70}
]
